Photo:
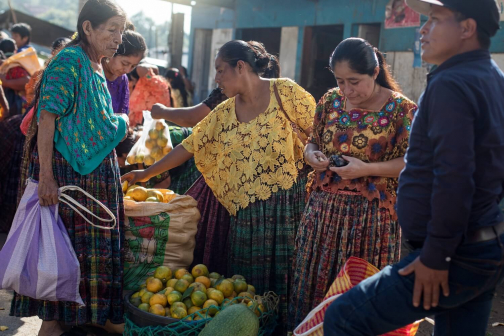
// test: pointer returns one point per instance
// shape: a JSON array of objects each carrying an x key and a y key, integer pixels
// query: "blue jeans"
[{"x": 383, "y": 302}]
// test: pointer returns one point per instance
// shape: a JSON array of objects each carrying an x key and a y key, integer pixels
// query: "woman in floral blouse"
[
  {"x": 252, "y": 158},
  {"x": 350, "y": 211}
]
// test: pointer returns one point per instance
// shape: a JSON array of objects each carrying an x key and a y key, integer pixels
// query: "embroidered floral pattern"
[
  {"x": 371, "y": 136},
  {"x": 246, "y": 162}
]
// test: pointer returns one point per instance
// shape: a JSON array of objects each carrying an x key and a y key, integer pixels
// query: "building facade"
[{"x": 304, "y": 33}]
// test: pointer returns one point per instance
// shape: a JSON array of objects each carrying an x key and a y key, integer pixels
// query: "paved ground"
[{"x": 29, "y": 326}]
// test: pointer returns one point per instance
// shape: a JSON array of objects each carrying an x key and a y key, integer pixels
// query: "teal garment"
[{"x": 86, "y": 128}]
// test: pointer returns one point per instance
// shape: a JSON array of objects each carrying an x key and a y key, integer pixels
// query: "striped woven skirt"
[
  {"x": 98, "y": 251},
  {"x": 261, "y": 242},
  {"x": 335, "y": 227},
  {"x": 213, "y": 229}
]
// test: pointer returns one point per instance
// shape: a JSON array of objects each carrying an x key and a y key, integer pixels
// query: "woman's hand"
[
  {"x": 317, "y": 160},
  {"x": 355, "y": 169},
  {"x": 135, "y": 176},
  {"x": 48, "y": 191}
]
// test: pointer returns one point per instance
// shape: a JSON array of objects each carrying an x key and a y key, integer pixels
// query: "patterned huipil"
[{"x": 371, "y": 136}]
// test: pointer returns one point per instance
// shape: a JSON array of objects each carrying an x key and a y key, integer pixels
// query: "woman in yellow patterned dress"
[
  {"x": 252, "y": 158},
  {"x": 365, "y": 122}
]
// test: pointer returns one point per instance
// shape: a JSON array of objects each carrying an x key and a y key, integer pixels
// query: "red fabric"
[{"x": 25, "y": 124}]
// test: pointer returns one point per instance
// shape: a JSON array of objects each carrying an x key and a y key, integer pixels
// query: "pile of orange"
[{"x": 182, "y": 293}]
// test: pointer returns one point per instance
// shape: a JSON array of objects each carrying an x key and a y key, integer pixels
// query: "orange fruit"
[
  {"x": 198, "y": 286},
  {"x": 226, "y": 287},
  {"x": 251, "y": 289},
  {"x": 144, "y": 307},
  {"x": 180, "y": 272},
  {"x": 154, "y": 285},
  {"x": 193, "y": 310},
  {"x": 179, "y": 313},
  {"x": 178, "y": 305},
  {"x": 214, "y": 275},
  {"x": 199, "y": 270},
  {"x": 204, "y": 280},
  {"x": 169, "y": 290},
  {"x": 171, "y": 283},
  {"x": 146, "y": 297},
  {"x": 198, "y": 298},
  {"x": 240, "y": 286},
  {"x": 188, "y": 277},
  {"x": 181, "y": 285},
  {"x": 258, "y": 310},
  {"x": 238, "y": 276},
  {"x": 158, "y": 299},
  {"x": 174, "y": 297},
  {"x": 246, "y": 297},
  {"x": 157, "y": 309},
  {"x": 162, "y": 273},
  {"x": 167, "y": 312},
  {"x": 217, "y": 296},
  {"x": 208, "y": 304}
]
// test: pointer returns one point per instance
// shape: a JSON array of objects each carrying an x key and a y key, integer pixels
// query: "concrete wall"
[{"x": 288, "y": 51}]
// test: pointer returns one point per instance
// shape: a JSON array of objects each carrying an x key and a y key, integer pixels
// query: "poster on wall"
[{"x": 399, "y": 15}]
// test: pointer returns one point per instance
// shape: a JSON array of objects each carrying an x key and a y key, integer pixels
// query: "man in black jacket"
[{"x": 449, "y": 192}]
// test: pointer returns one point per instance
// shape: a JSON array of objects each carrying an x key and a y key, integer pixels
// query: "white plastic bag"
[{"x": 154, "y": 143}]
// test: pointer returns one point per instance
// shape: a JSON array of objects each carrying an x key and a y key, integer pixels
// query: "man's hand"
[{"x": 427, "y": 281}]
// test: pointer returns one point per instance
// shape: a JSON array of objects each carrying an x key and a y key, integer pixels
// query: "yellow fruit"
[
  {"x": 198, "y": 298},
  {"x": 171, "y": 283},
  {"x": 153, "y": 134},
  {"x": 199, "y": 270},
  {"x": 167, "y": 312},
  {"x": 251, "y": 289},
  {"x": 246, "y": 297},
  {"x": 139, "y": 158},
  {"x": 152, "y": 200},
  {"x": 139, "y": 194},
  {"x": 128, "y": 198},
  {"x": 217, "y": 296},
  {"x": 157, "y": 309},
  {"x": 150, "y": 143},
  {"x": 193, "y": 310},
  {"x": 137, "y": 294},
  {"x": 144, "y": 306},
  {"x": 130, "y": 159},
  {"x": 149, "y": 160},
  {"x": 160, "y": 126},
  {"x": 180, "y": 272},
  {"x": 157, "y": 153},
  {"x": 162, "y": 273},
  {"x": 158, "y": 194},
  {"x": 129, "y": 193},
  {"x": 226, "y": 287},
  {"x": 162, "y": 141},
  {"x": 213, "y": 281},
  {"x": 181, "y": 285},
  {"x": 146, "y": 297},
  {"x": 158, "y": 299},
  {"x": 188, "y": 303},
  {"x": 125, "y": 186},
  {"x": 168, "y": 290},
  {"x": 198, "y": 318},
  {"x": 131, "y": 187},
  {"x": 178, "y": 305},
  {"x": 142, "y": 292},
  {"x": 188, "y": 277},
  {"x": 154, "y": 285},
  {"x": 188, "y": 318},
  {"x": 168, "y": 196},
  {"x": 214, "y": 275},
  {"x": 167, "y": 150},
  {"x": 209, "y": 290},
  {"x": 198, "y": 286},
  {"x": 208, "y": 304},
  {"x": 240, "y": 286},
  {"x": 204, "y": 280},
  {"x": 179, "y": 313},
  {"x": 237, "y": 276},
  {"x": 258, "y": 310},
  {"x": 174, "y": 297}
]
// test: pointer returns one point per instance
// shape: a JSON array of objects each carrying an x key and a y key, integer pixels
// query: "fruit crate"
[{"x": 141, "y": 323}]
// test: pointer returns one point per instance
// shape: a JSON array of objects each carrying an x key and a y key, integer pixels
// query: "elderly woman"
[{"x": 76, "y": 147}]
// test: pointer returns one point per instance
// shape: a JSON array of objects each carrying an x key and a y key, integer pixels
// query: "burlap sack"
[{"x": 158, "y": 234}]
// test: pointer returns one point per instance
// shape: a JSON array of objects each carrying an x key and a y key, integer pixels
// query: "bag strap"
[
  {"x": 67, "y": 200},
  {"x": 279, "y": 101}
]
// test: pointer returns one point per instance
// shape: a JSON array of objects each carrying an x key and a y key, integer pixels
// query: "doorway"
[
  {"x": 318, "y": 45},
  {"x": 270, "y": 37}
]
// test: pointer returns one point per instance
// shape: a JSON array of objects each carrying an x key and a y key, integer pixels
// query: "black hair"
[
  {"x": 23, "y": 29},
  {"x": 253, "y": 53},
  {"x": 176, "y": 82},
  {"x": 363, "y": 58},
  {"x": 60, "y": 42},
  {"x": 133, "y": 44},
  {"x": 8, "y": 46},
  {"x": 483, "y": 38}
]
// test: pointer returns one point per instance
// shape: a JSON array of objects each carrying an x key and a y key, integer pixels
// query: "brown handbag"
[{"x": 295, "y": 127}]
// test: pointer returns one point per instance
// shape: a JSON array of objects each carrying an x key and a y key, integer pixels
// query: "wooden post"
[{"x": 176, "y": 40}]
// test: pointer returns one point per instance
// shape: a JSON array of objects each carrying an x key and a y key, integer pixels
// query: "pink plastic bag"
[
  {"x": 38, "y": 259},
  {"x": 25, "y": 124}
]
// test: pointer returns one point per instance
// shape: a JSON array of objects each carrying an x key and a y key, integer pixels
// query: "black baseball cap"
[{"x": 486, "y": 13}]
